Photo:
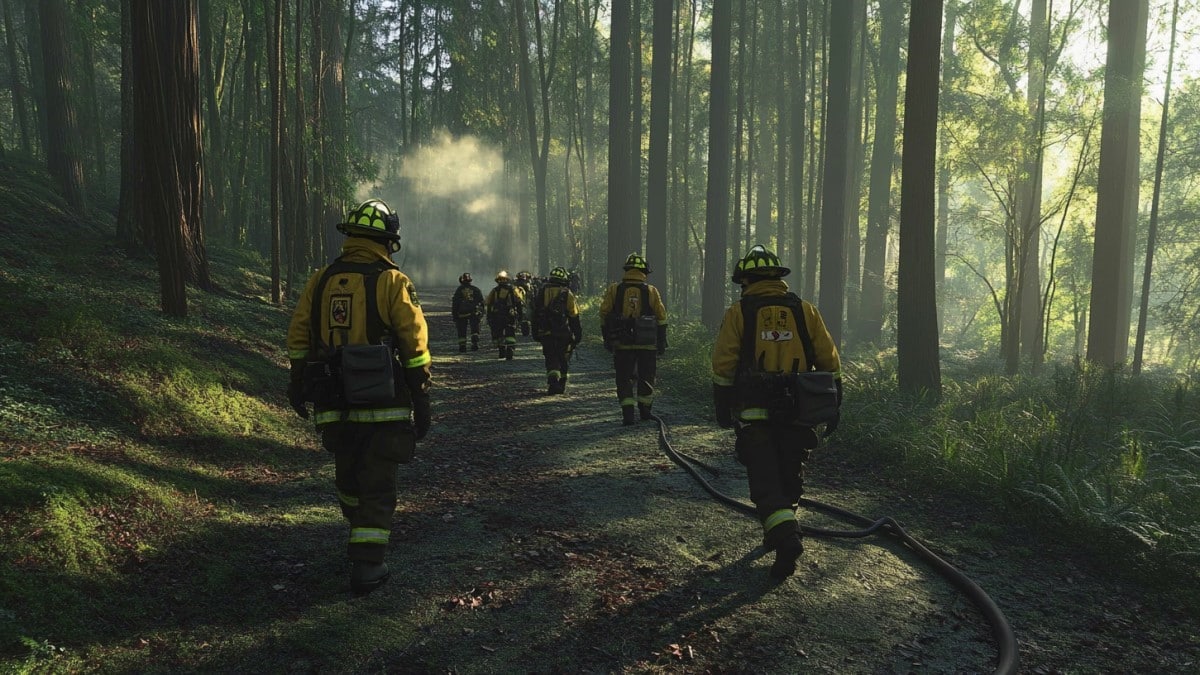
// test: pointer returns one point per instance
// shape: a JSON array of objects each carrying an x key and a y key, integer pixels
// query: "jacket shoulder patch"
[{"x": 412, "y": 293}]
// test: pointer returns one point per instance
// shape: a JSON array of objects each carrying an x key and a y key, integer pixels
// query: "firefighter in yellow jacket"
[
  {"x": 359, "y": 351},
  {"x": 505, "y": 307},
  {"x": 768, "y": 343},
  {"x": 635, "y": 332},
  {"x": 556, "y": 325}
]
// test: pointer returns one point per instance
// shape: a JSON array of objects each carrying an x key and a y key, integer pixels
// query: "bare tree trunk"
[
  {"x": 1117, "y": 190},
  {"x": 1152, "y": 233},
  {"x": 799, "y": 86},
  {"x": 62, "y": 149},
  {"x": 620, "y": 211},
  {"x": 660, "y": 119},
  {"x": 919, "y": 368},
  {"x": 837, "y": 156},
  {"x": 275, "y": 65},
  {"x": 713, "y": 305},
  {"x": 943, "y": 216},
  {"x": 20, "y": 111},
  {"x": 132, "y": 234},
  {"x": 167, "y": 91}
]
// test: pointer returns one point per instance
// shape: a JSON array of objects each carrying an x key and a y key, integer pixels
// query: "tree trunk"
[
  {"x": 1030, "y": 204},
  {"x": 167, "y": 91},
  {"x": 15, "y": 83},
  {"x": 717, "y": 212},
  {"x": 1152, "y": 232},
  {"x": 1117, "y": 191},
  {"x": 635, "y": 140},
  {"x": 132, "y": 234},
  {"x": 837, "y": 155},
  {"x": 275, "y": 65},
  {"x": 620, "y": 211},
  {"x": 919, "y": 370},
  {"x": 62, "y": 144},
  {"x": 798, "y": 74},
  {"x": 660, "y": 118},
  {"x": 883, "y": 157},
  {"x": 943, "y": 214}
]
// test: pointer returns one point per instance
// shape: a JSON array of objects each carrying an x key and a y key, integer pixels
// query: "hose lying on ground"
[{"x": 1008, "y": 660}]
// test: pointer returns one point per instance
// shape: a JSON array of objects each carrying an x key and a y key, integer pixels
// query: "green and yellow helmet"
[
  {"x": 558, "y": 274},
  {"x": 759, "y": 263},
  {"x": 636, "y": 262},
  {"x": 372, "y": 218}
]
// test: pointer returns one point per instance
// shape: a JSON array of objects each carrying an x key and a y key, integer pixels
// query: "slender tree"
[
  {"x": 837, "y": 154},
  {"x": 621, "y": 239},
  {"x": 660, "y": 117},
  {"x": 717, "y": 210},
  {"x": 883, "y": 157},
  {"x": 15, "y": 83},
  {"x": 1152, "y": 231},
  {"x": 919, "y": 369},
  {"x": 62, "y": 150}
]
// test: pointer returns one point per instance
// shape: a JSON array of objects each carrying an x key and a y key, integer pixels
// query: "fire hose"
[{"x": 1008, "y": 660}]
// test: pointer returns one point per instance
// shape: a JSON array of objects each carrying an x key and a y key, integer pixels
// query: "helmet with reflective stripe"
[
  {"x": 636, "y": 262},
  {"x": 761, "y": 264},
  {"x": 502, "y": 277},
  {"x": 372, "y": 218},
  {"x": 558, "y": 274},
  {"x": 465, "y": 278}
]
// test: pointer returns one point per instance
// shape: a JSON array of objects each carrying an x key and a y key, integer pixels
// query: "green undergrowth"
[
  {"x": 126, "y": 437},
  {"x": 1097, "y": 457}
]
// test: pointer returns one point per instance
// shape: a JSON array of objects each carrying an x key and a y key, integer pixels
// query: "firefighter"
[
  {"x": 505, "y": 306},
  {"x": 359, "y": 351},
  {"x": 635, "y": 333},
  {"x": 766, "y": 338},
  {"x": 556, "y": 325},
  {"x": 467, "y": 307},
  {"x": 524, "y": 283}
]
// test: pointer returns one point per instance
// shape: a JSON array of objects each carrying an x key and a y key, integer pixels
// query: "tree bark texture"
[
  {"x": 716, "y": 216},
  {"x": 62, "y": 145},
  {"x": 837, "y": 159}
]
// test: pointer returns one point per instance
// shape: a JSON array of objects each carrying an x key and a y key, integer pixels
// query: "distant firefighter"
[
  {"x": 556, "y": 325},
  {"x": 524, "y": 282},
  {"x": 467, "y": 308},
  {"x": 505, "y": 307},
  {"x": 635, "y": 332}
]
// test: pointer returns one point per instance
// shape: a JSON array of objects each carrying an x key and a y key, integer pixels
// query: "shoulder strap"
[
  {"x": 750, "y": 306},
  {"x": 370, "y": 272}
]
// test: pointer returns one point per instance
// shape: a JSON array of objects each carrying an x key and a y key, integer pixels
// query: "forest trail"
[{"x": 536, "y": 533}]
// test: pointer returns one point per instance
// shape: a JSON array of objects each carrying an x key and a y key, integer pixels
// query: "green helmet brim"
[{"x": 349, "y": 229}]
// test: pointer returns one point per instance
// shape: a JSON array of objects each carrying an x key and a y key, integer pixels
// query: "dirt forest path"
[{"x": 537, "y": 534}]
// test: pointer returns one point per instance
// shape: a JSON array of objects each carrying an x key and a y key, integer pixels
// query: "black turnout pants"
[
  {"x": 461, "y": 323},
  {"x": 366, "y": 456},
  {"x": 774, "y": 455},
  {"x": 555, "y": 351},
  {"x": 636, "y": 368}
]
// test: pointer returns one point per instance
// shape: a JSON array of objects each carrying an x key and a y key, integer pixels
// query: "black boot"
[
  {"x": 787, "y": 542},
  {"x": 551, "y": 384},
  {"x": 503, "y": 352},
  {"x": 509, "y": 354},
  {"x": 627, "y": 415},
  {"x": 367, "y": 576},
  {"x": 644, "y": 410}
]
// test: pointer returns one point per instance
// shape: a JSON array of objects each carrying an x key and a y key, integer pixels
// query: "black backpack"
[{"x": 552, "y": 317}]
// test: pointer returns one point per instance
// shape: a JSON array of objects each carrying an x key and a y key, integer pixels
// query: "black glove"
[
  {"x": 422, "y": 418},
  {"x": 723, "y": 405},
  {"x": 296, "y": 400}
]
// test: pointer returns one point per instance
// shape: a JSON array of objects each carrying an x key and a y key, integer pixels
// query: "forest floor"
[{"x": 163, "y": 511}]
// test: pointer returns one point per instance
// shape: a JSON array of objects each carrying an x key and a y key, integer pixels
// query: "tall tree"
[
  {"x": 883, "y": 157},
  {"x": 798, "y": 84},
  {"x": 1116, "y": 198},
  {"x": 167, "y": 92},
  {"x": 1152, "y": 231},
  {"x": 1029, "y": 199},
  {"x": 62, "y": 144},
  {"x": 539, "y": 156},
  {"x": 132, "y": 233},
  {"x": 621, "y": 239},
  {"x": 943, "y": 213},
  {"x": 712, "y": 307},
  {"x": 275, "y": 65},
  {"x": 15, "y": 82},
  {"x": 660, "y": 117},
  {"x": 919, "y": 370},
  {"x": 837, "y": 155}
]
